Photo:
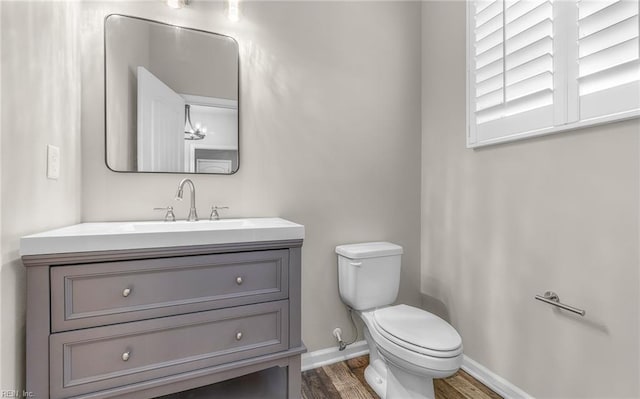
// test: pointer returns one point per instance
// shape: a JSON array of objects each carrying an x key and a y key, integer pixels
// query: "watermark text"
[{"x": 15, "y": 393}]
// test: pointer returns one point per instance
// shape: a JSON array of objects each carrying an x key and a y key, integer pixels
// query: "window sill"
[{"x": 622, "y": 116}]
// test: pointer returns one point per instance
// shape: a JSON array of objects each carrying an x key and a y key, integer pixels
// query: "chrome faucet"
[{"x": 193, "y": 214}]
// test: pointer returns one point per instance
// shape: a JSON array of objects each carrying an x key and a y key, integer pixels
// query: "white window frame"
[{"x": 566, "y": 97}]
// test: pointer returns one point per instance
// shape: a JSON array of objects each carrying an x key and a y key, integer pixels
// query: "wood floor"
[{"x": 345, "y": 380}]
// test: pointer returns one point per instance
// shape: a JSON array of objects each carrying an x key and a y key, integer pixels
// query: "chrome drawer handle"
[
  {"x": 126, "y": 356},
  {"x": 126, "y": 292},
  {"x": 239, "y": 280},
  {"x": 238, "y": 336}
]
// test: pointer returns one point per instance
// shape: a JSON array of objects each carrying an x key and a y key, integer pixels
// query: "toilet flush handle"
[{"x": 357, "y": 264}]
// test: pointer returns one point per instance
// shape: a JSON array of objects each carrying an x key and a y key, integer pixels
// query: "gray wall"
[
  {"x": 330, "y": 134},
  {"x": 9, "y": 380},
  {"x": 506, "y": 222},
  {"x": 41, "y": 98}
]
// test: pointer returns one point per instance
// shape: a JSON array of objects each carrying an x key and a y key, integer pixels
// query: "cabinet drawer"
[
  {"x": 96, "y": 294},
  {"x": 100, "y": 358}
]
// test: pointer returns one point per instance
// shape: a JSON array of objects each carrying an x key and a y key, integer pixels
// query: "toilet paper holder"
[{"x": 552, "y": 298}]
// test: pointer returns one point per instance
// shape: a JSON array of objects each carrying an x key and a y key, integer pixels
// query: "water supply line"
[{"x": 338, "y": 333}]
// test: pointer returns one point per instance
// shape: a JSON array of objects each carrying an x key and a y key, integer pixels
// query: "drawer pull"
[
  {"x": 238, "y": 336},
  {"x": 126, "y": 356},
  {"x": 126, "y": 292},
  {"x": 239, "y": 280}
]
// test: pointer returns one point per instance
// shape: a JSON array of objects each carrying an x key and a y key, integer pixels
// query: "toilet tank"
[{"x": 369, "y": 274}]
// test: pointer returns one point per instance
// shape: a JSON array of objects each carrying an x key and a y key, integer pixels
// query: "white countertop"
[{"x": 112, "y": 236}]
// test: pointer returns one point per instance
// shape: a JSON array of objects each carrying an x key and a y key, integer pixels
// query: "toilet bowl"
[
  {"x": 408, "y": 347},
  {"x": 424, "y": 347}
]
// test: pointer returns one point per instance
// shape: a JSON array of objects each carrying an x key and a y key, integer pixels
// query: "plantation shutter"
[
  {"x": 512, "y": 67},
  {"x": 543, "y": 66},
  {"x": 609, "y": 62}
]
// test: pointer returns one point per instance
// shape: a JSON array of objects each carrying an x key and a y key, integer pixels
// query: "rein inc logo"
[{"x": 15, "y": 393}]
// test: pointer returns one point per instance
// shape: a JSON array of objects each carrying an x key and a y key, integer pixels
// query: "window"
[{"x": 542, "y": 66}]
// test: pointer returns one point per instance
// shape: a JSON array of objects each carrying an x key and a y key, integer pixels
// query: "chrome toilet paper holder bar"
[{"x": 552, "y": 298}]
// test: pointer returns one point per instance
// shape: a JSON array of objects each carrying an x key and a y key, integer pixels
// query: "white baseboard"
[
  {"x": 323, "y": 357},
  {"x": 498, "y": 384}
]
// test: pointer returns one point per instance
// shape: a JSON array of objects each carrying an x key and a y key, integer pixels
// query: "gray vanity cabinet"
[{"x": 146, "y": 323}]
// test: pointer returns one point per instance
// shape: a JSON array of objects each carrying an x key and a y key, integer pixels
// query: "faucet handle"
[
  {"x": 214, "y": 212},
  {"x": 169, "y": 216}
]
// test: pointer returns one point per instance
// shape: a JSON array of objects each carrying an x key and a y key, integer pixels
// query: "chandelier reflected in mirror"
[{"x": 191, "y": 133}]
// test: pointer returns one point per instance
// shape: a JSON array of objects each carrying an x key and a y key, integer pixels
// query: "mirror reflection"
[{"x": 171, "y": 98}]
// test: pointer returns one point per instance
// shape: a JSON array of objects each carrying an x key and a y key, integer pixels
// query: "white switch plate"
[{"x": 53, "y": 162}]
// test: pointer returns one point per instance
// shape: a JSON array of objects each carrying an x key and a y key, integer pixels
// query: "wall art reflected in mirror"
[{"x": 171, "y": 98}]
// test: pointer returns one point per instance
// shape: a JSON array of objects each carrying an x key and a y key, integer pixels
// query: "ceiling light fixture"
[
  {"x": 177, "y": 3},
  {"x": 233, "y": 10}
]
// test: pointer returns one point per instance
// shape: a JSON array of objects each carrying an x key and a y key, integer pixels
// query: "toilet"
[{"x": 408, "y": 347}]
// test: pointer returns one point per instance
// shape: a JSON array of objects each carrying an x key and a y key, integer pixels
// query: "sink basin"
[
  {"x": 200, "y": 225},
  {"x": 111, "y": 236}
]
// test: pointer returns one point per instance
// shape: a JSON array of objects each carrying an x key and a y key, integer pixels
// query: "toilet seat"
[
  {"x": 418, "y": 331},
  {"x": 415, "y": 359}
]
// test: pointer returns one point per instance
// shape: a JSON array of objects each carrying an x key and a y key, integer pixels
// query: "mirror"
[{"x": 171, "y": 98}]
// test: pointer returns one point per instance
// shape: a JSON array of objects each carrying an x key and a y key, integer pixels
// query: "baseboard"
[
  {"x": 498, "y": 384},
  {"x": 323, "y": 357}
]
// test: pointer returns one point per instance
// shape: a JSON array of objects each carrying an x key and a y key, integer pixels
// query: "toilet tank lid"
[{"x": 368, "y": 250}]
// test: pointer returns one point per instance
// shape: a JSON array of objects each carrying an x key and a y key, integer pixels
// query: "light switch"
[{"x": 53, "y": 162}]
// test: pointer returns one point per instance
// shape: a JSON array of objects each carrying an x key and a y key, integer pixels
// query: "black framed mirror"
[{"x": 171, "y": 98}]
